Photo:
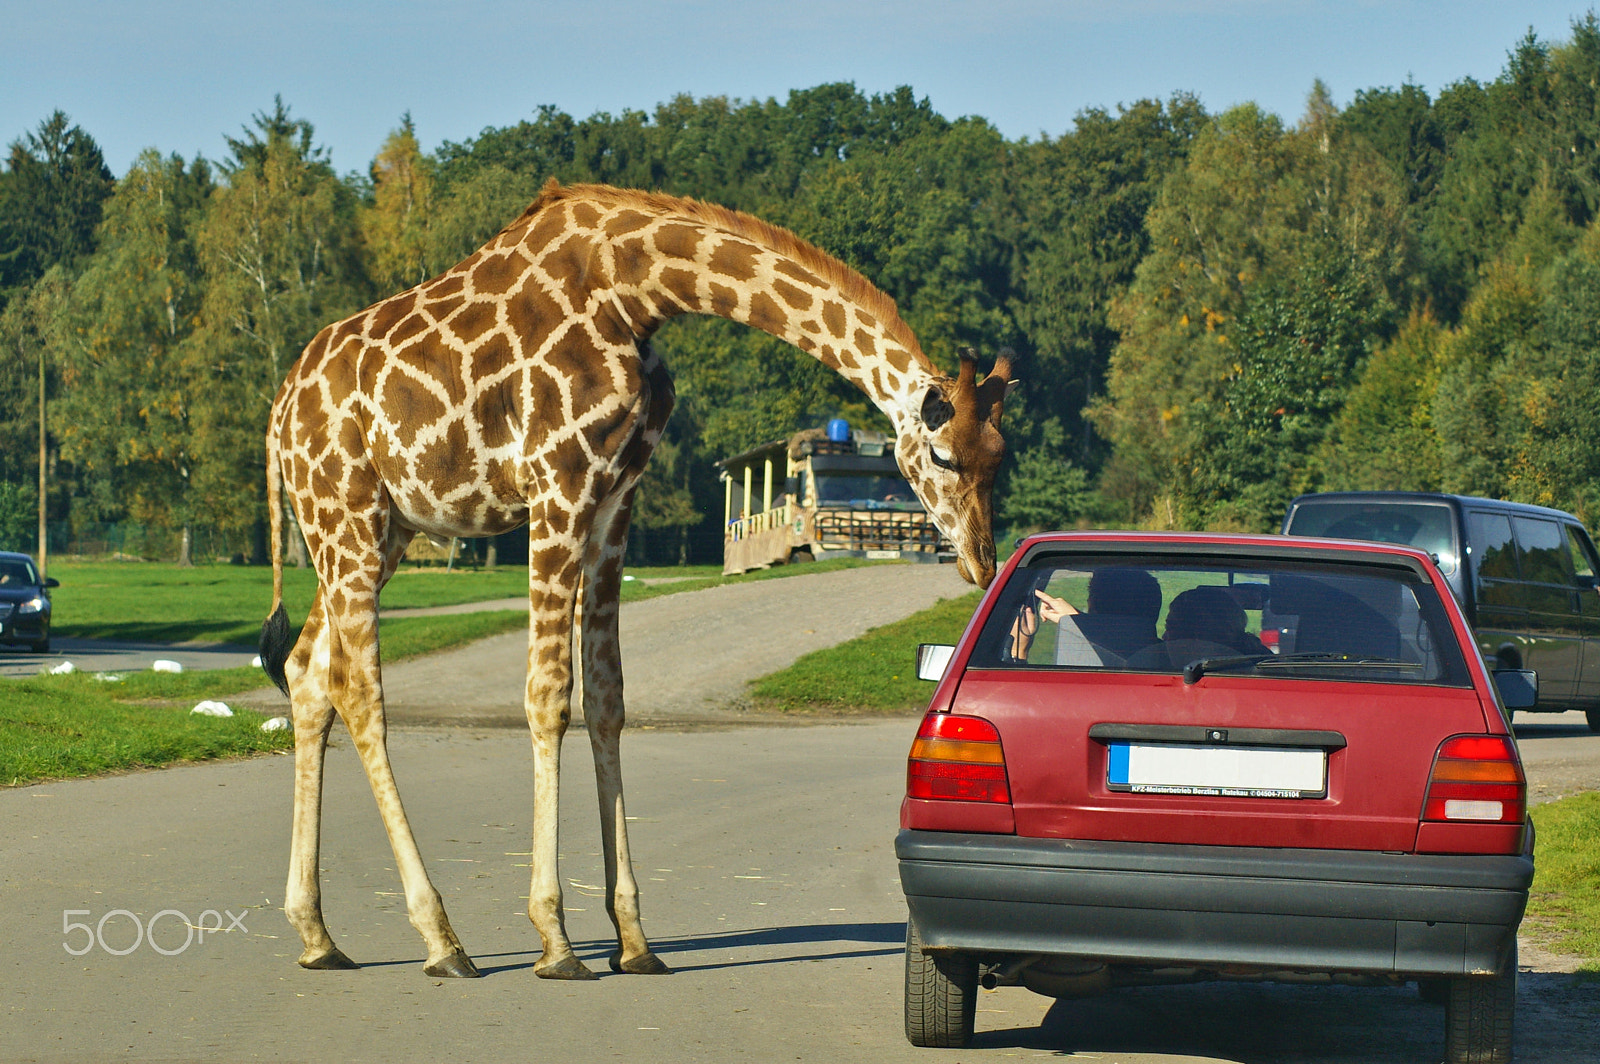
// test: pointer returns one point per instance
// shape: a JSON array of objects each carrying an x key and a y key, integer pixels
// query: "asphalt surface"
[
  {"x": 686, "y": 658},
  {"x": 764, "y": 856}
]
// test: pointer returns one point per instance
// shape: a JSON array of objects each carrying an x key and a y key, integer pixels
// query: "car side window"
[
  {"x": 1540, "y": 553},
  {"x": 1493, "y": 551},
  {"x": 1582, "y": 555}
]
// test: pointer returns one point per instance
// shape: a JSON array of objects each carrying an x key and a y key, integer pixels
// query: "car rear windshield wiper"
[
  {"x": 1334, "y": 661},
  {"x": 1200, "y": 666}
]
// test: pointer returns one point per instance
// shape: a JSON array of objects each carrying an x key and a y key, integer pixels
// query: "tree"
[
  {"x": 1275, "y": 258},
  {"x": 280, "y": 250},
  {"x": 398, "y": 226},
  {"x": 1383, "y": 438},
  {"x": 127, "y": 395},
  {"x": 50, "y": 198}
]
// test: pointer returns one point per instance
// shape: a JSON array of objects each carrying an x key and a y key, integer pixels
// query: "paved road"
[
  {"x": 765, "y": 855},
  {"x": 685, "y": 657},
  {"x": 103, "y": 655}
]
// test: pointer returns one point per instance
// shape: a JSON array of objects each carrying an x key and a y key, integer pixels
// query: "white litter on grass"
[
  {"x": 277, "y": 724},
  {"x": 64, "y": 668},
  {"x": 108, "y": 677},
  {"x": 209, "y": 708},
  {"x": 256, "y": 661},
  {"x": 630, "y": 578},
  {"x": 163, "y": 665}
]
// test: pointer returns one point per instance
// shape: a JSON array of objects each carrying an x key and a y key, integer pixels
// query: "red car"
[{"x": 1119, "y": 782}]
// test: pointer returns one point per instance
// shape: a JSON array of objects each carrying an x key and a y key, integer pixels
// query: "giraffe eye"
[{"x": 943, "y": 461}]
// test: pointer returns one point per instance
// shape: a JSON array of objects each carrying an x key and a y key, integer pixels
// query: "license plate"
[
  {"x": 882, "y": 555},
  {"x": 1222, "y": 771}
]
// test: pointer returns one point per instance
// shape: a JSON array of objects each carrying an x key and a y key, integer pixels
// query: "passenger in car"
[
  {"x": 1121, "y": 620},
  {"x": 1207, "y": 622}
]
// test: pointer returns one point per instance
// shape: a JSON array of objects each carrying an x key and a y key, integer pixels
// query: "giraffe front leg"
[{"x": 549, "y": 708}]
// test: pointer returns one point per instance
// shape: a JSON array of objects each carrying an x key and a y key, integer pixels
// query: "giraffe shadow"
[{"x": 862, "y": 940}]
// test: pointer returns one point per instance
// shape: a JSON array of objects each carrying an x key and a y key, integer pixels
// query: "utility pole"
[{"x": 44, "y": 560}]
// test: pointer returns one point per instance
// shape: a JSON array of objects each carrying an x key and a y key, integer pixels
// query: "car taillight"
[
  {"x": 957, "y": 758},
  {"x": 1476, "y": 779}
]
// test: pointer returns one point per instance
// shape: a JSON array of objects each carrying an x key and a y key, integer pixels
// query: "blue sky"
[{"x": 178, "y": 75}]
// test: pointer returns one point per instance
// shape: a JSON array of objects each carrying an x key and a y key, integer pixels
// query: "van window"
[
  {"x": 1426, "y": 526},
  {"x": 1540, "y": 552},
  {"x": 1492, "y": 547},
  {"x": 1582, "y": 564}
]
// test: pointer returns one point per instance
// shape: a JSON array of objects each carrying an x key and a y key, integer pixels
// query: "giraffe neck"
[{"x": 662, "y": 257}]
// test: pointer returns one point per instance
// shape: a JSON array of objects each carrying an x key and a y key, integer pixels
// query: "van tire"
[
  {"x": 802, "y": 555},
  {"x": 1593, "y": 716}
]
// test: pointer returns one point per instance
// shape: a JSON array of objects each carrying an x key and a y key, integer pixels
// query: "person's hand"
[
  {"x": 1022, "y": 632},
  {"x": 1053, "y": 609}
]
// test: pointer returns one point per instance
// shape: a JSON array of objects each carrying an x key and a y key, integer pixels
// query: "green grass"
[
  {"x": 876, "y": 673},
  {"x": 157, "y": 602},
  {"x": 1565, "y": 899},
  {"x": 66, "y": 726}
]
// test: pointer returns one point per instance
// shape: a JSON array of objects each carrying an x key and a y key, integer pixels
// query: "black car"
[
  {"x": 24, "y": 603},
  {"x": 1526, "y": 576}
]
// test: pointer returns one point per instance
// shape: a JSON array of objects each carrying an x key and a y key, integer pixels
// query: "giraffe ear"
[{"x": 936, "y": 410}]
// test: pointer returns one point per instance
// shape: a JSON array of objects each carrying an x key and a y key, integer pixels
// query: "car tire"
[
  {"x": 42, "y": 646},
  {"x": 941, "y": 995},
  {"x": 1593, "y": 716},
  {"x": 1479, "y": 1015}
]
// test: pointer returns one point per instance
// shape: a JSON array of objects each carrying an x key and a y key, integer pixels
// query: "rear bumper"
[{"x": 1214, "y": 906}]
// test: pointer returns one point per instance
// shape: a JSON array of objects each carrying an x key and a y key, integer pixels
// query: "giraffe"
[{"x": 520, "y": 387}]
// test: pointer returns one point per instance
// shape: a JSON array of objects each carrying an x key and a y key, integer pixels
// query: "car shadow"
[{"x": 1267, "y": 1023}]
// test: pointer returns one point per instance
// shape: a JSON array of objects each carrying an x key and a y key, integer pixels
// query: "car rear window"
[
  {"x": 1264, "y": 617},
  {"x": 1427, "y": 526}
]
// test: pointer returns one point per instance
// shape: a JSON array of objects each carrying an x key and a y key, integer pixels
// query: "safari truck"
[{"x": 831, "y": 492}]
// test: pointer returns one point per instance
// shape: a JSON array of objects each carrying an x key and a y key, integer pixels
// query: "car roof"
[
  {"x": 1304, "y": 548},
  {"x": 1458, "y": 501},
  {"x": 14, "y": 556}
]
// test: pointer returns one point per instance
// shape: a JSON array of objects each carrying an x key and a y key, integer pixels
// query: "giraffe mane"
[{"x": 850, "y": 282}]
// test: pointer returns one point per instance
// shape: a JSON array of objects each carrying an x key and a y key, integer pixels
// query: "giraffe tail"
[{"x": 276, "y": 638}]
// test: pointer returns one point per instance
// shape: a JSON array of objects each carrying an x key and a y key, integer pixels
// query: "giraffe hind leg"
[{"x": 312, "y": 713}]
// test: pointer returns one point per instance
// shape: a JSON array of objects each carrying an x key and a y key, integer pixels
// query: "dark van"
[{"x": 1525, "y": 575}]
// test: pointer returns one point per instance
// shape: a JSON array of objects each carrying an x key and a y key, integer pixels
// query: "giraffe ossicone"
[{"x": 519, "y": 386}]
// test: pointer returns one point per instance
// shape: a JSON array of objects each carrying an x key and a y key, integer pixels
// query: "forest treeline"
[{"x": 1214, "y": 312}]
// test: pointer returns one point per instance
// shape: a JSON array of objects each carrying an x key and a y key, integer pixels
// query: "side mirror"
[
  {"x": 51, "y": 581},
  {"x": 791, "y": 485},
  {"x": 1519, "y": 688},
  {"x": 932, "y": 660}
]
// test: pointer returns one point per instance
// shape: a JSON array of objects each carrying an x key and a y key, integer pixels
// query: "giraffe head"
[{"x": 949, "y": 448}]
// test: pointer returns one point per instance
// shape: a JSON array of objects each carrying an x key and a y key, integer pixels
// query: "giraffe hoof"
[
  {"x": 332, "y": 961},
  {"x": 644, "y": 964},
  {"x": 568, "y": 967},
  {"x": 455, "y": 965}
]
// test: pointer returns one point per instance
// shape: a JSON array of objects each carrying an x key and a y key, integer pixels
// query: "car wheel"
[
  {"x": 941, "y": 995},
  {"x": 1594, "y": 719},
  {"x": 1478, "y": 1016},
  {"x": 1433, "y": 991},
  {"x": 43, "y": 647}
]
